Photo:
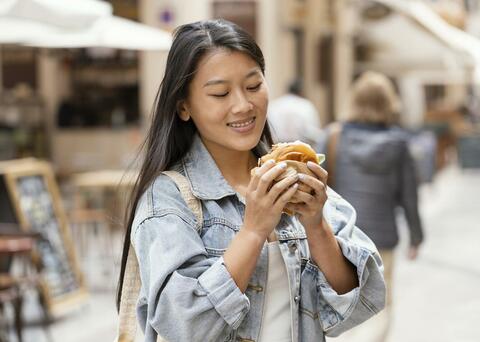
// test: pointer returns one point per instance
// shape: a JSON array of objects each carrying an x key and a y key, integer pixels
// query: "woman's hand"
[
  {"x": 264, "y": 205},
  {"x": 412, "y": 253},
  {"x": 264, "y": 201},
  {"x": 311, "y": 209},
  {"x": 324, "y": 248}
]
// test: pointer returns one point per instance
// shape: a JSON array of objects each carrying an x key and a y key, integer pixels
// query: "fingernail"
[
  {"x": 282, "y": 165},
  {"x": 270, "y": 162},
  {"x": 310, "y": 163},
  {"x": 295, "y": 185},
  {"x": 301, "y": 176}
]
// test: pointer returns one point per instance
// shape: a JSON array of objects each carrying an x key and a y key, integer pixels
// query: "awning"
[
  {"x": 74, "y": 24},
  {"x": 418, "y": 37}
]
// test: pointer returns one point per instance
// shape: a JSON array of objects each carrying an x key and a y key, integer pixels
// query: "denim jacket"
[{"x": 187, "y": 293}]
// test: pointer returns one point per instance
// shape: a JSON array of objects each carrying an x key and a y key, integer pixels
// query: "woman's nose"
[{"x": 241, "y": 103}]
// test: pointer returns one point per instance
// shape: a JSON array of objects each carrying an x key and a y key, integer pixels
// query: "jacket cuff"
[
  {"x": 344, "y": 304},
  {"x": 358, "y": 256},
  {"x": 222, "y": 291}
]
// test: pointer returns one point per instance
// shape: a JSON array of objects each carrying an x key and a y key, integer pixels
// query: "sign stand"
[{"x": 36, "y": 202}]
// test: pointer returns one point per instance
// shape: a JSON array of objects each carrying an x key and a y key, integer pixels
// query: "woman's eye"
[
  {"x": 220, "y": 95},
  {"x": 254, "y": 88}
]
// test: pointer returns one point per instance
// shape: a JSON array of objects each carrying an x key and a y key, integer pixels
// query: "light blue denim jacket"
[{"x": 187, "y": 293}]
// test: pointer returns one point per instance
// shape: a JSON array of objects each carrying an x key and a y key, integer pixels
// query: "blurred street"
[{"x": 435, "y": 297}]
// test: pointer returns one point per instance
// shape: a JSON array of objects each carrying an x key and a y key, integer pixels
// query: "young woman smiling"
[{"x": 246, "y": 272}]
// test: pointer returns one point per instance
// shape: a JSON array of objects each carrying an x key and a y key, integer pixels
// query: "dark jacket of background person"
[{"x": 375, "y": 172}]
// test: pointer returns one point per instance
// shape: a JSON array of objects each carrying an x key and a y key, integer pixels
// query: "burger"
[{"x": 296, "y": 155}]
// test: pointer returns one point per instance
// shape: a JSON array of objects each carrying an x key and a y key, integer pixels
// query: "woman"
[
  {"x": 210, "y": 125},
  {"x": 374, "y": 171}
]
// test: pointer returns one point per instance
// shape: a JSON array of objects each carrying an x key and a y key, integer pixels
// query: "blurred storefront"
[
  {"x": 71, "y": 106},
  {"x": 87, "y": 100},
  {"x": 429, "y": 65},
  {"x": 71, "y": 90},
  {"x": 423, "y": 48}
]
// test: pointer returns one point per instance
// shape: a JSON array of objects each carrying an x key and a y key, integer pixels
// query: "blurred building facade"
[{"x": 86, "y": 101}]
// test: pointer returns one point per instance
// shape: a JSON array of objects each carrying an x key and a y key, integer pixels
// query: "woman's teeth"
[{"x": 238, "y": 125}]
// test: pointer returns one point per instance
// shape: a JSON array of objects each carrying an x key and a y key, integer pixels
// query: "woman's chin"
[{"x": 244, "y": 143}]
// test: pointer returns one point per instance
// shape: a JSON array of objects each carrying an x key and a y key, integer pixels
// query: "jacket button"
[
  {"x": 292, "y": 246},
  {"x": 297, "y": 299}
]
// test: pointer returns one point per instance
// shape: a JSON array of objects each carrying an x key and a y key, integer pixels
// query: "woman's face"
[{"x": 227, "y": 100}]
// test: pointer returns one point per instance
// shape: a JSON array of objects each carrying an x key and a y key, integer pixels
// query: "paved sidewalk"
[{"x": 437, "y": 298}]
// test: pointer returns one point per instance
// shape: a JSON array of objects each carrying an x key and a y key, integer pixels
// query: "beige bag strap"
[
  {"x": 193, "y": 203},
  {"x": 127, "y": 326},
  {"x": 127, "y": 318},
  {"x": 332, "y": 143}
]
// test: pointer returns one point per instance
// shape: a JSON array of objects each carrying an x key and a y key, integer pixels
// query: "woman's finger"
[
  {"x": 299, "y": 208},
  {"x": 304, "y": 197},
  {"x": 318, "y": 171},
  {"x": 267, "y": 178},
  {"x": 258, "y": 172},
  {"x": 285, "y": 197},
  {"x": 278, "y": 188},
  {"x": 312, "y": 182}
]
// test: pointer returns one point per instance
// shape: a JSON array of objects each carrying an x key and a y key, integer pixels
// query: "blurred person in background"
[
  {"x": 293, "y": 117},
  {"x": 369, "y": 164},
  {"x": 211, "y": 280}
]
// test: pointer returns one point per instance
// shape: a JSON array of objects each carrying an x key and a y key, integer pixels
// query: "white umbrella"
[{"x": 74, "y": 23}]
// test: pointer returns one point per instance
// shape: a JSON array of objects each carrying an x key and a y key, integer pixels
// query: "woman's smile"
[{"x": 243, "y": 126}]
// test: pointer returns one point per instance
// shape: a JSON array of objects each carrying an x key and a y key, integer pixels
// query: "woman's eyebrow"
[
  {"x": 220, "y": 81},
  {"x": 253, "y": 73},
  {"x": 214, "y": 82}
]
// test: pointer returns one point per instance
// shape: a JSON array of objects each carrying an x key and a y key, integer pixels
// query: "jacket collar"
[{"x": 206, "y": 180}]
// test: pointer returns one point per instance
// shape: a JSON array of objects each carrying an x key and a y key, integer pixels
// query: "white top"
[
  {"x": 276, "y": 321},
  {"x": 293, "y": 118}
]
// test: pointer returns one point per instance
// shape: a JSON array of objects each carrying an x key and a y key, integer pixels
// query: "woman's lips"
[{"x": 243, "y": 126}]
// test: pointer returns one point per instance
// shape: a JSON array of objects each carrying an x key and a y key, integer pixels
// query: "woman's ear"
[{"x": 183, "y": 112}]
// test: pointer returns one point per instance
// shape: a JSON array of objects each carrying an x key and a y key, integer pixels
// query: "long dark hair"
[{"x": 169, "y": 138}]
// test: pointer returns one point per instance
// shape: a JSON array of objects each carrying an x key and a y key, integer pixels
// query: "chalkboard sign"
[{"x": 34, "y": 193}]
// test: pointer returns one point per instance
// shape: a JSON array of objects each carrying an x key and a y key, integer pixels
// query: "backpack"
[{"x": 127, "y": 325}]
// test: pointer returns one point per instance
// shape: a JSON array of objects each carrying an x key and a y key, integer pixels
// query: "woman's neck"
[{"x": 235, "y": 166}]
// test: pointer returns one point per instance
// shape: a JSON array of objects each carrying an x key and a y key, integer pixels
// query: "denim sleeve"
[
  {"x": 339, "y": 313},
  {"x": 189, "y": 297}
]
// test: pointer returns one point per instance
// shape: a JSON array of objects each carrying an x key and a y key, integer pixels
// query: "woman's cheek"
[{"x": 260, "y": 102}]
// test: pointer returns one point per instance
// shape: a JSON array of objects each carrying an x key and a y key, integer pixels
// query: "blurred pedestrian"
[
  {"x": 370, "y": 165},
  {"x": 293, "y": 117},
  {"x": 240, "y": 270}
]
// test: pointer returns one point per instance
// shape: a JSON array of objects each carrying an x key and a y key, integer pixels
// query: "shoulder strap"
[
  {"x": 193, "y": 203},
  {"x": 127, "y": 318},
  {"x": 332, "y": 144},
  {"x": 127, "y": 326}
]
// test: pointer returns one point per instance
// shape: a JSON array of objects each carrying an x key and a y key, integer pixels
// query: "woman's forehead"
[{"x": 223, "y": 64}]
